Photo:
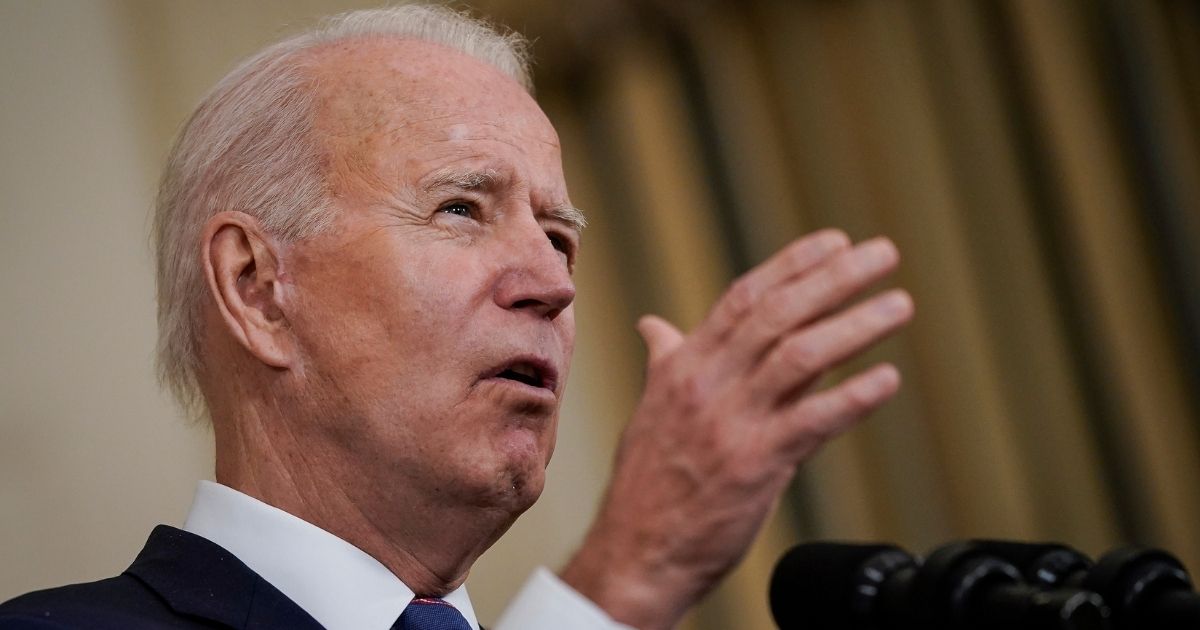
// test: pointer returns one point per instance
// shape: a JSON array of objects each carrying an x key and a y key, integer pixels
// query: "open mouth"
[
  {"x": 524, "y": 373},
  {"x": 531, "y": 372}
]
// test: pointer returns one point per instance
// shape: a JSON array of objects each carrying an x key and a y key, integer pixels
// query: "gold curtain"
[{"x": 1037, "y": 163}]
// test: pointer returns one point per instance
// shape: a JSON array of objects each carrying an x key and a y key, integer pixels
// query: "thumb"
[{"x": 661, "y": 337}]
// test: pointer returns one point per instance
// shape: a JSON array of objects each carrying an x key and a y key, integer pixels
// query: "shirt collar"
[{"x": 340, "y": 585}]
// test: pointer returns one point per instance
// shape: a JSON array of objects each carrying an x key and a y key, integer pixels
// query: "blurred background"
[{"x": 1038, "y": 164}]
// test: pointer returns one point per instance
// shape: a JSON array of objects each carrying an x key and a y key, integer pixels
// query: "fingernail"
[
  {"x": 834, "y": 239},
  {"x": 895, "y": 303},
  {"x": 881, "y": 250},
  {"x": 886, "y": 378}
]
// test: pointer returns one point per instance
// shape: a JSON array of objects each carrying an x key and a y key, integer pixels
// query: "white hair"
[{"x": 250, "y": 146}]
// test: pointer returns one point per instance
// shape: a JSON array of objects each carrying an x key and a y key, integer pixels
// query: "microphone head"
[
  {"x": 952, "y": 583},
  {"x": 1128, "y": 577},
  {"x": 1049, "y": 565},
  {"x": 832, "y": 586}
]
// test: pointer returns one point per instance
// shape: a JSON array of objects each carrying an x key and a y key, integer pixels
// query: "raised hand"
[{"x": 728, "y": 413}]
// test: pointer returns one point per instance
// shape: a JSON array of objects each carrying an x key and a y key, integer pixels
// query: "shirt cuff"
[{"x": 547, "y": 603}]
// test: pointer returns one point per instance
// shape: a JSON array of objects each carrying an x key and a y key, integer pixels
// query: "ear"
[{"x": 243, "y": 269}]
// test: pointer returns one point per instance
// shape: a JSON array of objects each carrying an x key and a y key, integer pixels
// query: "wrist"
[{"x": 630, "y": 589}]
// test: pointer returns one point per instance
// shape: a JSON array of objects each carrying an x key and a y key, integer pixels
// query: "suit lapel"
[{"x": 199, "y": 578}]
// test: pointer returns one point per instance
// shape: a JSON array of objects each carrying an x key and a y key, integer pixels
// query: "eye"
[
  {"x": 563, "y": 245},
  {"x": 458, "y": 208}
]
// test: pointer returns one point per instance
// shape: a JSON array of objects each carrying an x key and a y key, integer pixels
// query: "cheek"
[
  {"x": 346, "y": 315},
  {"x": 363, "y": 300},
  {"x": 401, "y": 332},
  {"x": 430, "y": 305}
]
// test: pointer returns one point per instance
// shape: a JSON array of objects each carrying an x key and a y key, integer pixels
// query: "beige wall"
[{"x": 91, "y": 455}]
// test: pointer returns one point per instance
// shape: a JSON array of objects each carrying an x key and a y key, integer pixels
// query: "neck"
[{"x": 430, "y": 547}]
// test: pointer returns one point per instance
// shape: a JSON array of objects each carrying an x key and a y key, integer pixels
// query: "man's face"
[{"x": 435, "y": 318}]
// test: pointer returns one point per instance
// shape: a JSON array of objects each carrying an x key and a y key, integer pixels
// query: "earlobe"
[{"x": 242, "y": 269}]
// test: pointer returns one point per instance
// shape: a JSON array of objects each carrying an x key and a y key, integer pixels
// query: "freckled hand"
[{"x": 728, "y": 414}]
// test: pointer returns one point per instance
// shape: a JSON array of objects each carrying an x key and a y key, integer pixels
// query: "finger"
[
  {"x": 823, "y": 415},
  {"x": 792, "y": 305},
  {"x": 660, "y": 336},
  {"x": 792, "y": 261},
  {"x": 804, "y": 355}
]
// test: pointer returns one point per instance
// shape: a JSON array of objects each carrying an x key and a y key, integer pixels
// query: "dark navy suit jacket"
[{"x": 179, "y": 580}]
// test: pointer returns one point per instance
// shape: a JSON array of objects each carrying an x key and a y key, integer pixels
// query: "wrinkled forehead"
[{"x": 415, "y": 92}]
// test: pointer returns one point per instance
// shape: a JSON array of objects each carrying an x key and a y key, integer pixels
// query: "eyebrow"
[
  {"x": 570, "y": 215},
  {"x": 487, "y": 180}
]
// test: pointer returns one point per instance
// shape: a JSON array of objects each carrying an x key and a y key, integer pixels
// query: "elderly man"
[{"x": 365, "y": 257}]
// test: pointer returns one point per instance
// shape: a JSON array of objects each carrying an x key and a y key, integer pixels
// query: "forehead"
[{"x": 387, "y": 93}]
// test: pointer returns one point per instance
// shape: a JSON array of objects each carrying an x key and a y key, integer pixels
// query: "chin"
[
  {"x": 525, "y": 493},
  {"x": 515, "y": 486},
  {"x": 507, "y": 469}
]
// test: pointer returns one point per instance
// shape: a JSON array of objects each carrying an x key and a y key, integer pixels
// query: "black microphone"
[
  {"x": 1147, "y": 589},
  {"x": 835, "y": 586},
  {"x": 826, "y": 586},
  {"x": 963, "y": 586},
  {"x": 1045, "y": 565}
]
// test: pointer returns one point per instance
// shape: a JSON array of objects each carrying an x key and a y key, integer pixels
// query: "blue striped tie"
[{"x": 426, "y": 613}]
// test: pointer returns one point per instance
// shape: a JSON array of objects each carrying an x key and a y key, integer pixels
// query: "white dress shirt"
[{"x": 343, "y": 587}]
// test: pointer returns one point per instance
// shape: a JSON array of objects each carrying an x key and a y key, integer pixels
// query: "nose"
[{"x": 535, "y": 278}]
